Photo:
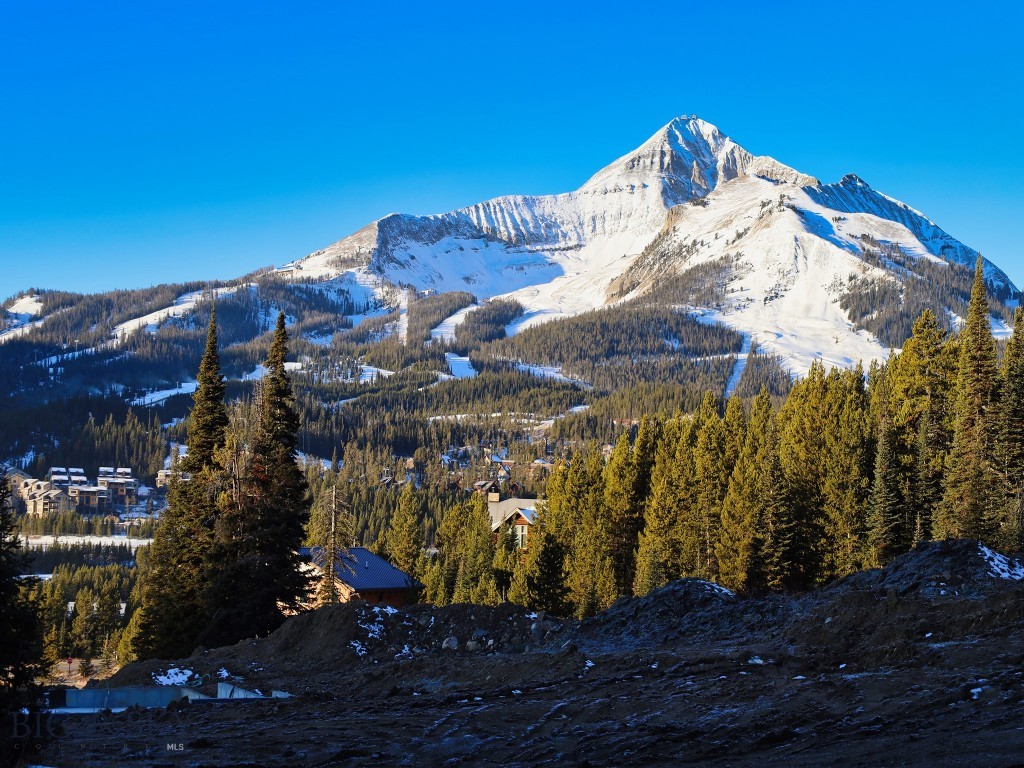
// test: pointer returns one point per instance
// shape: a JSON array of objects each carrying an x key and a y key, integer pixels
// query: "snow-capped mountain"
[{"x": 687, "y": 196}]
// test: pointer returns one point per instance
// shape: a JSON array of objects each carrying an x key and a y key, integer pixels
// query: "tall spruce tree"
[
  {"x": 970, "y": 504},
  {"x": 404, "y": 539},
  {"x": 644, "y": 451},
  {"x": 209, "y": 417},
  {"x": 474, "y": 557},
  {"x": 846, "y": 477},
  {"x": 658, "y": 547},
  {"x": 779, "y": 560},
  {"x": 743, "y": 509},
  {"x": 546, "y": 575},
  {"x": 890, "y": 532},
  {"x": 701, "y": 522},
  {"x": 623, "y": 513},
  {"x": 802, "y": 427},
  {"x": 174, "y": 610},
  {"x": 1010, "y": 445},
  {"x": 734, "y": 424},
  {"x": 918, "y": 395},
  {"x": 255, "y": 559}
]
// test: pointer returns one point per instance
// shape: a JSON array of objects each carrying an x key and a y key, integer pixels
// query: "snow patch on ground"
[
  {"x": 1000, "y": 566},
  {"x": 717, "y": 589},
  {"x": 174, "y": 676}
]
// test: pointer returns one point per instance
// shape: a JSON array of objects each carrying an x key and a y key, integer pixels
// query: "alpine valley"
[{"x": 687, "y": 265}]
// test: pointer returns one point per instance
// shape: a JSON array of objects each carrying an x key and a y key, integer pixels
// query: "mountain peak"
[
  {"x": 688, "y": 158},
  {"x": 852, "y": 179}
]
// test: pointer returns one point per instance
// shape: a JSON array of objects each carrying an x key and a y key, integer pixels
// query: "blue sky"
[{"x": 146, "y": 143}]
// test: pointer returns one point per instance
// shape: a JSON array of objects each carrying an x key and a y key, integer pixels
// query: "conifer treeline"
[{"x": 850, "y": 472}]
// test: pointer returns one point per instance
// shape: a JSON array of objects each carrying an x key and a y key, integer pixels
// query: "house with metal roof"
[
  {"x": 517, "y": 514},
  {"x": 362, "y": 575}
]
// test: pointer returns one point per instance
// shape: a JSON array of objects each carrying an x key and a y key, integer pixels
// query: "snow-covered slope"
[
  {"x": 18, "y": 317},
  {"x": 795, "y": 243}
]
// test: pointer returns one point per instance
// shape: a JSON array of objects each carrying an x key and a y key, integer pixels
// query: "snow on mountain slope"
[
  {"x": 796, "y": 243},
  {"x": 182, "y": 305},
  {"x": 29, "y": 305},
  {"x": 17, "y": 319}
]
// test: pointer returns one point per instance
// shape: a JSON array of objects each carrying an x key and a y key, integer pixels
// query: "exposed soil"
[{"x": 918, "y": 664}]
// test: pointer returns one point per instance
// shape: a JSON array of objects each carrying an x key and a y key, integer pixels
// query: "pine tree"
[
  {"x": 890, "y": 533},
  {"x": 86, "y": 668},
  {"x": 743, "y": 508},
  {"x": 735, "y": 427},
  {"x": 846, "y": 479},
  {"x": 643, "y": 457},
  {"x": 658, "y": 546},
  {"x": 970, "y": 504},
  {"x": 779, "y": 559},
  {"x": 701, "y": 523},
  {"x": 802, "y": 424},
  {"x": 255, "y": 558},
  {"x": 405, "y": 536},
  {"x": 474, "y": 557},
  {"x": 1010, "y": 443},
  {"x": 917, "y": 393},
  {"x": 575, "y": 515},
  {"x": 209, "y": 418},
  {"x": 174, "y": 610},
  {"x": 545, "y": 575},
  {"x": 623, "y": 513},
  {"x": 506, "y": 557}
]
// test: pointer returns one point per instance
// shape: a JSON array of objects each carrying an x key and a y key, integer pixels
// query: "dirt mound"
[
  {"x": 940, "y": 569},
  {"x": 909, "y": 612},
  {"x": 684, "y": 611},
  {"x": 313, "y": 647},
  {"x": 357, "y": 630}
]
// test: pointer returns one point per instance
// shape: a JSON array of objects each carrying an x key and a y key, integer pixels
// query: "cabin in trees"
[
  {"x": 515, "y": 514},
  {"x": 362, "y": 575}
]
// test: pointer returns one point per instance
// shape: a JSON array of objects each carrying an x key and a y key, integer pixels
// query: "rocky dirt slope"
[{"x": 921, "y": 663}]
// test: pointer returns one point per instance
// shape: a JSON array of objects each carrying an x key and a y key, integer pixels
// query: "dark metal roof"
[{"x": 364, "y": 571}]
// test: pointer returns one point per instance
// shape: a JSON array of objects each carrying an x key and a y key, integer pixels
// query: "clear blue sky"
[{"x": 144, "y": 143}]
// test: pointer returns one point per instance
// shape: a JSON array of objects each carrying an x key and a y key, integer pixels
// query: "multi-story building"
[
  {"x": 90, "y": 498},
  {"x": 122, "y": 487},
  {"x": 164, "y": 477},
  {"x": 59, "y": 477},
  {"x": 49, "y": 502}
]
